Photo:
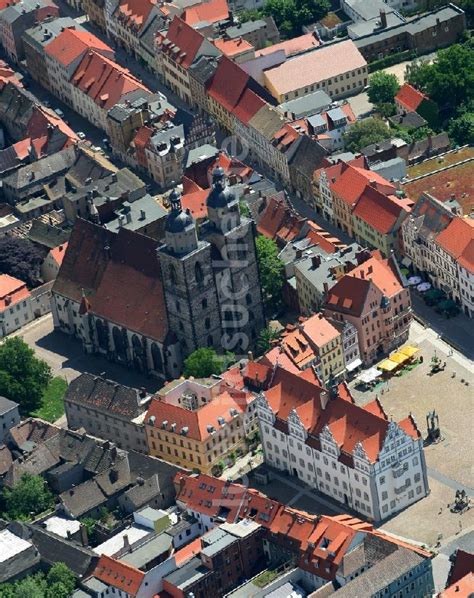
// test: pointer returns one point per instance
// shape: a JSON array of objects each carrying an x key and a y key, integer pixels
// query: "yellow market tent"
[
  {"x": 399, "y": 358},
  {"x": 409, "y": 350},
  {"x": 387, "y": 365}
]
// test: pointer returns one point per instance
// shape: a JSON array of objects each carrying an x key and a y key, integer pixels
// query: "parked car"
[
  {"x": 81, "y": 135},
  {"x": 59, "y": 112}
]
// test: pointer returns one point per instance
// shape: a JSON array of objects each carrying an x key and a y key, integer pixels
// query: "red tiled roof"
[
  {"x": 376, "y": 408},
  {"x": 142, "y": 136},
  {"x": 229, "y": 83},
  {"x": 463, "y": 588},
  {"x": 71, "y": 44},
  {"x": 277, "y": 215},
  {"x": 195, "y": 202},
  {"x": 293, "y": 46},
  {"x": 409, "y": 97},
  {"x": 409, "y": 426},
  {"x": 352, "y": 181},
  {"x": 119, "y": 575},
  {"x": 186, "y": 553},
  {"x": 381, "y": 273},
  {"x": 22, "y": 148},
  {"x": 248, "y": 106},
  {"x": 103, "y": 80},
  {"x": 39, "y": 124},
  {"x": 457, "y": 239},
  {"x": 12, "y": 291},
  {"x": 197, "y": 422},
  {"x": 380, "y": 211},
  {"x": 210, "y": 11},
  {"x": 189, "y": 186},
  {"x": 463, "y": 564},
  {"x": 58, "y": 253},
  {"x": 232, "y": 47},
  {"x": 186, "y": 39},
  {"x": 134, "y": 12}
]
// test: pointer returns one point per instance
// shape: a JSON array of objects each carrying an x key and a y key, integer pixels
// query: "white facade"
[
  {"x": 375, "y": 490},
  {"x": 326, "y": 197},
  {"x": 15, "y": 315},
  {"x": 466, "y": 286}
]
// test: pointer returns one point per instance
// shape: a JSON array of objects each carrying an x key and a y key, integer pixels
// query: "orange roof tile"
[
  {"x": 381, "y": 273},
  {"x": 409, "y": 426},
  {"x": 134, "y": 12},
  {"x": 58, "y": 253},
  {"x": 464, "y": 588},
  {"x": 195, "y": 202},
  {"x": 293, "y": 46},
  {"x": 184, "y": 38},
  {"x": 186, "y": 553},
  {"x": 248, "y": 106},
  {"x": 12, "y": 291},
  {"x": 22, "y": 148},
  {"x": 232, "y": 47},
  {"x": 457, "y": 239},
  {"x": 382, "y": 212},
  {"x": 228, "y": 95},
  {"x": 142, "y": 136},
  {"x": 199, "y": 423},
  {"x": 119, "y": 575},
  {"x": 103, "y": 80},
  {"x": 409, "y": 97},
  {"x": 211, "y": 11},
  {"x": 71, "y": 44},
  {"x": 352, "y": 181}
]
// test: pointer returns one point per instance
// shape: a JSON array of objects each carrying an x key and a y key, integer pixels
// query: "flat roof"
[
  {"x": 114, "y": 544},
  {"x": 11, "y": 545},
  {"x": 61, "y": 526}
]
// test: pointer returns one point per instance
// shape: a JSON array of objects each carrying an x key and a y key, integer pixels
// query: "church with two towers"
[{"x": 149, "y": 307}]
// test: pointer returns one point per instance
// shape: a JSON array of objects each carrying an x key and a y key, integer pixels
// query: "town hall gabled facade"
[{"x": 147, "y": 306}]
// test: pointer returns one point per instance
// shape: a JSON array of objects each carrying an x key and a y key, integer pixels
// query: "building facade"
[{"x": 303, "y": 433}]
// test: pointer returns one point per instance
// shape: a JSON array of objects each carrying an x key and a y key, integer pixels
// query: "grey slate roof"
[
  {"x": 6, "y": 405},
  {"x": 46, "y": 234},
  {"x": 103, "y": 394},
  {"x": 53, "y": 549},
  {"x": 150, "y": 550},
  {"x": 307, "y": 105},
  {"x": 42, "y": 34},
  {"x": 381, "y": 574}
]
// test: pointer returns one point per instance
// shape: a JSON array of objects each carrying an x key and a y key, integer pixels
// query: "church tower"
[
  {"x": 190, "y": 292},
  {"x": 235, "y": 267}
]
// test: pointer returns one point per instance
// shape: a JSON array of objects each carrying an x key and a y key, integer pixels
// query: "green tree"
[
  {"x": 31, "y": 587},
  {"x": 291, "y": 15},
  {"x": 21, "y": 258},
  {"x": 461, "y": 129},
  {"x": 23, "y": 377},
  {"x": 383, "y": 87},
  {"x": 365, "y": 132},
  {"x": 265, "y": 338},
  {"x": 205, "y": 362},
  {"x": 449, "y": 80},
  {"x": 271, "y": 271},
  {"x": 28, "y": 497},
  {"x": 61, "y": 581}
]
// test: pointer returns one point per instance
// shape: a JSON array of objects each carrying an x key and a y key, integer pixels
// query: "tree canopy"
[
  {"x": 265, "y": 338},
  {"x": 449, "y": 80},
  {"x": 365, "y": 132},
  {"x": 290, "y": 15},
  {"x": 29, "y": 496},
  {"x": 20, "y": 258},
  {"x": 23, "y": 377},
  {"x": 271, "y": 271},
  {"x": 383, "y": 87},
  {"x": 58, "y": 583},
  {"x": 205, "y": 362}
]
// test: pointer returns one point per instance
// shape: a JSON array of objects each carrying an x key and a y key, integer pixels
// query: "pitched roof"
[
  {"x": 123, "y": 266},
  {"x": 351, "y": 181},
  {"x": 380, "y": 211},
  {"x": 134, "y": 13},
  {"x": 462, "y": 563},
  {"x": 104, "y": 81},
  {"x": 293, "y": 46},
  {"x": 119, "y": 575},
  {"x": 58, "y": 253},
  {"x": 232, "y": 47},
  {"x": 104, "y": 394},
  {"x": 463, "y": 587},
  {"x": 187, "y": 41},
  {"x": 198, "y": 424},
  {"x": 228, "y": 95},
  {"x": 248, "y": 106},
  {"x": 279, "y": 220},
  {"x": 318, "y": 65},
  {"x": 70, "y": 45},
  {"x": 195, "y": 202},
  {"x": 12, "y": 291},
  {"x": 409, "y": 97},
  {"x": 210, "y": 11},
  {"x": 457, "y": 239}
]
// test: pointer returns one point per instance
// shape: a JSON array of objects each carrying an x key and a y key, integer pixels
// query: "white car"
[{"x": 81, "y": 135}]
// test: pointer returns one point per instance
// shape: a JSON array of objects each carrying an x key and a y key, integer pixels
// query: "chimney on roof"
[
  {"x": 326, "y": 288},
  {"x": 250, "y": 356},
  {"x": 362, "y": 274},
  {"x": 142, "y": 215},
  {"x": 383, "y": 19},
  {"x": 126, "y": 542},
  {"x": 324, "y": 398},
  {"x": 83, "y": 533},
  {"x": 316, "y": 261}
]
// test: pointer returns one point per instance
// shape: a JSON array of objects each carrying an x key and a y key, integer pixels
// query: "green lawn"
[{"x": 52, "y": 406}]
